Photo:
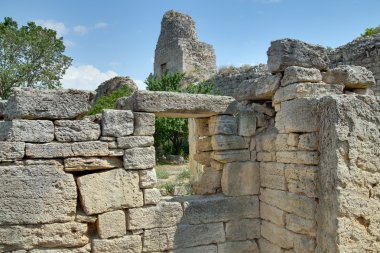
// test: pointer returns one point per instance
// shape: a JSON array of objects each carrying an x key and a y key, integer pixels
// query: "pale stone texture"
[
  {"x": 266, "y": 156},
  {"x": 308, "y": 141},
  {"x": 222, "y": 124},
  {"x": 228, "y": 142},
  {"x": 244, "y": 229},
  {"x": 174, "y": 104},
  {"x": 241, "y": 178},
  {"x": 54, "y": 235},
  {"x": 266, "y": 140},
  {"x": 165, "y": 214},
  {"x": 300, "y": 157},
  {"x": 112, "y": 224},
  {"x": 203, "y": 249},
  {"x": 84, "y": 249},
  {"x": 126, "y": 244},
  {"x": 76, "y": 130},
  {"x": 135, "y": 142},
  {"x": 301, "y": 225},
  {"x": 238, "y": 247},
  {"x": 247, "y": 123},
  {"x": 350, "y": 76},
  {"x": 295, "y": 74},
  {"x": 277, "y": 235},
  {"x": 152, "y": 196},
  {"x": 92, "y": 163},
  {"x": 148, "y": 178},
  {"x": 117, "y": 123},
  {"x": 144, "y": 123},
  {"x": 204, "y": 144},
  {"x": 11, "y": 150},
  {"x": 203, "y": 158},
  {"x": 268, "y": 247},
  {"x": 289, "y": 52},
  {"x": 272, "y": 214},
  {"x": 27, "y": 130},
  {"x": 302, "y": 179},
  {"x": 227, "y": 156},
  {"x": 272, "y": 175},
  {"x": 82, "y": 217},
  {"x": 110, "y": 190},
  {"x": 39, "y": 193},
  {"x": 208, "y": 182},
  {"x": 202, "y": 126},
  {"x": 140, "y": 158},
  {"x": 28, "y": 103}
]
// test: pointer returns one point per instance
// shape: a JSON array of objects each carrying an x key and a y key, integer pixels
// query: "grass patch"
[
  {"x": 162, "y": 174},
  {"x": 169, "y": 187},
  {"x": 185, "y": 174}
]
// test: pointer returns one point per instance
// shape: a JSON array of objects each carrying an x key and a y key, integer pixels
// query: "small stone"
[
  {"x": 148, "y": 178},
  {"x": 293, "y": 139},
  {"x": 228, "y": 142},
  {"x": 76, "y": 130},
  {"x": 266, "y": 156},
  {"x": 126, "y": 244},
  {"x": 117, "y": 123},
  {"x": 27, "y": 130},
  {"x": 277, "y": 235},
  {"x": 272, "y": 175},
  {"x": 301, "y": 225},
  {"x": 300, "y": 157},
  {"x": 11, "y": 150},
  {"x": 295, "y": 74},
  {"x": 116, "y": 152},
  {"x": 228, "y": 156},
  {"x": 308, "y": 141},
  {"x": 208, "y": 182},
  {"x": 112, "y": 224},
  {"x": 353, "y": 77},
  {"x": 244, "y": 229},
  {"x": 140, "y": 158},
  {"x": 302, "y": 179},
  {"x": 247, "y": 123},
  {"x": 241, "y": 178},
  {"x": 92, "y": 163},
  {"x": 272, "y": 214},
  {"x": 152, "y": 196},
  {"x": 135, "y": 142},
  {"x": 222, "y": 124},
  {"x": 204, "y": 144},
  {"x": 144, "y": 123}
]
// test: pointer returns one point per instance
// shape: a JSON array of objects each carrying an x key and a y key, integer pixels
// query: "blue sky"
[{"x": 108, "y": 38}]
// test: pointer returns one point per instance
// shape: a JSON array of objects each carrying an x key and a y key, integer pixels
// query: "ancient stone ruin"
[{"x": 290, "y": 164}]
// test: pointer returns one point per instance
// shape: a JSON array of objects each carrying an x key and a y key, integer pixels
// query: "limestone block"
[
  {"x": 90, "y": 148},
  {"x": 92, "y": 163},
  {"x": 36, "y": 193},
  {"x": 301, "y": 225},
  {"x": 11, "y": 150},
  {"x": 289, "y": 52},
  {"x": 247, "y": 123},
  {"x": 202, "y": 126},
  {"x": 266, "y": 156},
  {"x": 252, "y": 145},
  {"x": 272, "y": 214},
  {"x": 203, "y": 249},
  {"x": 126, "y": 244},
  {"x": 261, "y": 88},
  {"x": 110, "y": 190},
  {"x": 112, "y": 224},
  {"x": 144, "y": 123},
  {"x": 71, "y": 234},
  {"x": 148, "y": 178},
  {"x": 117, "y": 123},
  {"x": 238, "y": 247},
  {"x": 268, "y": 247},
  {"x": 204, "y": 144},
  {"x": 299, "y": 115},
  {"x": 308, "y": 141},
  {"x": 366, "y": 91},
  {"x": 295, "y": 74},
  {"x": 202, "y": 209},
  {"x": 165, "y": 214},
  {"x": 82, "y": 217},
  {"x": 222, "y": 124},
  {"x": 292, "y": 203},
  {"x": 353, "y": 77},
  {"x": 304, "y": 244},
  {"x": 108, "y": 138},
  {"x": 301, "y": 157},
  {"x": 182, "y": 236},
  {"x": 152, "y": 196},
  {"x": 27, "y": 130},
  {"x": 302, "y": 179},
  {"x": 140, "y": 158},
  {"x": 116, "y": 152},
  {"x": 135, "y": 142},
  {"x": 175, "y": 104},
  {"x": 3, "y": 105},
  {"x": 228, "y": 142},
  {"x": 216, "y": 165},
  {"x": 254, "y": 156},
  {"x": 266, "y": 140},
  {"x": 84, "y": 249},
  {"x": 272, "y": 175},
  {"x": 76, "y": 130},
  {"x": 228, "y": 156},
  {"x": 203, "y": 158},
  {"x": 241, "y": 178},
  {"x": 112, "y": 144},
  {"x": 293, "y": 139},
  {"x": 244, "y": 229},
  {"x": 277, "y": 235},
  {"x": 28, "y": 103},
  {"x": 208, "y": 182}
]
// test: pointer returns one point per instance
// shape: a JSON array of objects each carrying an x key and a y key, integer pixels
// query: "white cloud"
[
  {"x": 85, "y": 77},
  {"x": 140, "y": 84},
  {"x": 68, "y": 43},
  {"x": 51, "y": 24},
  {"x": 80, "y": 29},
  {"x": 100, "y": 25}
]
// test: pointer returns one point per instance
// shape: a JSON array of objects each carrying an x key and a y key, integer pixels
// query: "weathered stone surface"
[
  {"x": 266, "y": 140},
  {"x": 268, "y": 247},
  {"x": 216, "y": 165},
  {"x": 126, "y": 244},
  {"x": 308, "y": 141},
  {"x": 152, "y": 196},
  {"x": 140, "y": 158},
  {"x": 117, "y": 123},
  {"x": 204, "y": 144},
  {"x": 148, "y": 178},
  {"x": 76, "y": 130},
  {"x": 28, "y": 103},
  {"x": 54, "y": 235},
  {"x": 174, "y": 104},
  {"x": 11, "y": 150},
  {"x": 165, "y": 214},
  {"x": 302, "y": 179},
  {"x": 304, "y": 244},
  {"x": 293, "y": 139},
  {"x": 295, "y": 74},
  {"x": 272, "y": 175},
  {"x": 301, "y": 225},
  {"x": 183, "y": 236},
  {"x": 289, "y": 52},
  {"x": 202, "y": 209},
  {"x": 144, "y": 123},
  {"x": 135, "y": 142},
  {"x": 290, "y": 202},
  {"x": 228, "y": 142},
  {"x": 352, "y": 77},
  {"x": 203, "y": 249},
  {"x": 227, "y": 156},
  {"x": 82, "y": 217},
  {"x": 241, "y": 178},
  {"x": 203, "y": 158},
  {"x": 3, "y": 105},
  {"x": 202, "y": 126},
  {"x": 116, "y": 152},
  {"x": 84, "y": 249},
  {"x": 238, "y": 247},
  {"x": 266, "y": 156},
  {"x": 272, "y": 214},
  {"x": 56, "y": 149},
  {"x": 39, "y": 193},
  {"x": 112, "y": 224},
  {"x": 247, "y": 123},
  {"x": 110, "y": 190},
  {"x": 277, "y": 235},
  {"x": 115, "y": 83},
  {"x": 244, "y": 229},
  {"x": 301, "y": 157},
  {"x": 222, "y": 124},
  {"x": 262, "y": 88},
  {"x": 92, "y": 163},
  {"x": 27, "y": 130},
  {"x": 208, "y": 182}
]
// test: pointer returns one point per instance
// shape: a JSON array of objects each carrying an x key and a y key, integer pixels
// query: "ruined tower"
[{"x": 179, "y": 50}]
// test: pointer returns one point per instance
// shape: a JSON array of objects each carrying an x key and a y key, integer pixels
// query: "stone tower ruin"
[{"x": 179, "y": 50}]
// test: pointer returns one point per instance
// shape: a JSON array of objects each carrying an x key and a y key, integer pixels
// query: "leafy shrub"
[
  {"x": 169, "y": 187},
  {"x": 162, "y": 174},
  {"x": 184, "y": 174},
  {"x": 370, "y": 31}
]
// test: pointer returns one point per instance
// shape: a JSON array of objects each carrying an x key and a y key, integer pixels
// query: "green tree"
[
  {"x": 370, "y": 31},
  {"x": 30, "y": 56}
]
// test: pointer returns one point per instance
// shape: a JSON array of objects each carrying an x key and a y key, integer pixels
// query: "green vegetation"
[
  {"x": 109, "y": 102},
  {"x": 162, "y": 174},
  {"x": 184, "y": 174},
  {"x": 30, "y": 56},
  {"x": 370, "y": 31},
  {"x": 169, "y": 187}
]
